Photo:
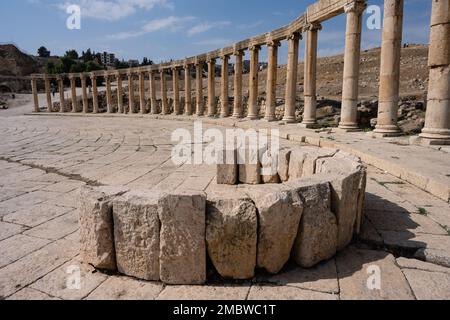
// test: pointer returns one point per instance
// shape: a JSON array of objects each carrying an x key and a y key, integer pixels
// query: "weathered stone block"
[
  {"x": 279, "y": 212},
  {"x": 303, "y": 160},
  {"x": 136, "y": 235},
  {"x": 231, "y": 236},
  {"x": 283, "y": 164},
  {"x": 227, "y": 168},
  {"x": 96, "y": 226},
  {"x": 182, "y": 238},
  {"x": 318, "y": 232}
]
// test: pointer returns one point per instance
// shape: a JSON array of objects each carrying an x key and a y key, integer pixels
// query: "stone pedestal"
[
  {"x": 224, "y": 107},
  {"x": 211, "y": 87},
  {"x": 48, "y": 93},
  {"x": 94, "y": 93},
  {"x": 199, "y": 88},
  {"x": 131, "y": 93},
  {"x": 437, "y": 120},
  {"x": 35, "y": 94},
  {"x": 253, "y": 113},
  {"x": 164, "y": 101},
  {"x": 153, "y": 107},
  {"x": 142, "y": 92},
  {"x": 119, "y": 93},
  {"x": 84, "y": 93},
  {"x": 176, "y": 91},
  {"x": 271, "y": 89},
  {"x": 349, "y": 110},
  {"x": 238, "y": 69},
  {"x": 109, "y": 103},
  {"x": 73, "y": 92},
  {"x": 187, "y": 90},
  {"x": 390, "y": 69},
  {"x": 310, "y": 113},
  {"x": 62, "y": 100},
  {"x": 291, "y": 78}
]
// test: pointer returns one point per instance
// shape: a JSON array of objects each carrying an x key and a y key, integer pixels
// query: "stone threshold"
[{"x": 424, "y": 180}]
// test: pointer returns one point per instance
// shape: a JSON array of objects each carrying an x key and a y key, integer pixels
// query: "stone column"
[
  {"x": 176, "y": 91},
  {"x": 119, "y": 93},
  {"x": 238, "y": 111},
  {"x": 109, "y": 103},
  {"x": 165, "y": 103},
  {"x": 211, "y": 87},
  {"x": 48, "y": 93},
  {"x": 291, "y": 78},
  {"x": 94, "y": 93},
  {"x": 271, "y": 90},
  {"x": 84, "y": 93},
  {"x": 187, "y": 90},
  {"x": 253, "y": 113},
  {"x": 437, "y": 119},
  {"x": 310, "y": 95},
  {"x": 130, "y": 93},
  {"x": 62, "y": 100},
  {"x": 349, "y": 109},
  {"x": 199, "y": 88},
  {"x": 224, "y": 108},
  {"x": 154, "y": 107},
  {"x": 142, "y": 92},
  {"x": 390, "y": 69},
  {"x": 34, "y": 89},
  {"x": 73, "y": 92}
]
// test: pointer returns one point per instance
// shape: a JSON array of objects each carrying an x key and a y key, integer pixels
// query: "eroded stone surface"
[
  {"x": 182, "y": 238},
  {"x": 231, "y": 235}
]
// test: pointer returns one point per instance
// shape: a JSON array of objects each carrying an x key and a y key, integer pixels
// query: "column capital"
[
  {"x": 254, "y": 47},
  {"x": 60, "y": 77},
  {"x": 239, "y": 53},
  {"x": 93, "y": 75},
  {"x": 315, "y": 26},
  {"x": 295, "y": 36},
  {"x": 211, "y": 60},
  {"x": 73, "y": 76},
  {"x": 273, "y": 43},
  {"x": 175, "y": 68},
  {"x": 355, "y": 6},
  {"x": 186, "y": 66}
]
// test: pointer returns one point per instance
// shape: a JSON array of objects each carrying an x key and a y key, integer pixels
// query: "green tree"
[
  {"x": 72, "y": 54},
  {"x": 43, "y": 52},
  {"x": 50, "y": 67}
]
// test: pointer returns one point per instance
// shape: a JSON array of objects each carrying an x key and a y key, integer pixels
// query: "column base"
[
  {"x": 384, "y": 131},
  {"x": 349, "y": 127},
  {"x": 237, "y": 116},
  {"x": 270, "y": 119},
  {"x": 253, "y": 117},
  {"x": 309, "y": 125},
  {"x": 435, "y": 136},
  {"x": 289, "y": 120}
]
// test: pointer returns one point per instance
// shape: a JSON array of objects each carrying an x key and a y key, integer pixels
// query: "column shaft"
[
  {"x": 94, "y": 94},
  {"x": 48, "y": 94},
  {"x": 238, "y": 111},
  {"x": 176, "y": 91},
  {"x": 109, "y": 103},
  {"x": 154, "y": 107},
  {"x": 142, "y": 92},
  {"x": 119, "y": 93},
  {"x": 253, "y": 112},
  {"x": 271, "y": 90},
  {"x": 84, "y": 94},
  {"x": 187, "y": 90},
  {"x": 291, "y": 78},
  {"x": 73, "y": 93},
  {"x": 34, "y": 89},
  {"x": 437, "y": 119},
  {"x": 62, "y": 100},
  {"x": 165, "y": 103},
  {"x": 224, "y": 107},
  {"x": 211, "y": 88},
  {"x": 349, "y": 109},
  {"x": 130, "y": 93},
  {"x": 199, "y": 88},
  {"x": 390, "y": 68},
  {"x": 310, "y": 95}
]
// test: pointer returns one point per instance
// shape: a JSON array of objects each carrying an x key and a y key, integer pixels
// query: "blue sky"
[{"x": 164, "y": 29}]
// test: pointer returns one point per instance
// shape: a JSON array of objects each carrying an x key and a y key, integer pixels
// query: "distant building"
[
  {"x": 133, "y": 63},
  {"x": 107, "y": 59}
]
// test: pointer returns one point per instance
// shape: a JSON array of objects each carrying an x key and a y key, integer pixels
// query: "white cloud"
[
  {"x": 112, "y": 10},
  {"x": 206, "y": 26},
  {"x": 171, "y": 24}
]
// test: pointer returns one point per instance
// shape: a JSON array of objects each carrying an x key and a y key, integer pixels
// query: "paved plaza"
[{"x": 45, "y": 159}]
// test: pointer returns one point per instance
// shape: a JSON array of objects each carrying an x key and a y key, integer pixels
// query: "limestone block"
[
  {"x": 318, "y": 232},
  {"x": 269, "y": 167},
  {"x": 136, "y": 235},
  {"x": 182, "y": 238},
  {"x": 96, "y": 226},
  {"x": 279, "y": 214},
  {"x": 250, "y": 173},
  {"x": 303, "y": 160},
  {"x": 231, "y": 235},
  {"x": 227, "y": 168},
  {"x": 283, "y": 164}
]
